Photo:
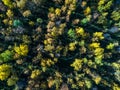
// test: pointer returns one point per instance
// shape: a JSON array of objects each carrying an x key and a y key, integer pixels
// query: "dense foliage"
[{"x": 59, "y": 44}]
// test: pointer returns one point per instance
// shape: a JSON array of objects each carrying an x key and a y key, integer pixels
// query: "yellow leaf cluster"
[
  {"x": 115, "y": 87},
  {"x": 57, "y": 11},
  {"x": 47, "y": 62},
  {"x": 72, "y": 46},
  {"x": 110, "y": 46},
  {"x": 77, "y": 64},
  {"x": 101, "y": 2},
  {"x": 87, "y": 11},
  {"x": 98, "y": 35},
  {"x": 21, "y": 50},
  {"x": 9, "y": 13},
  {"x": 80, "y": 31},
  {"x": 97, "y": 80},
  {"x": 98, "y": 51},
  {"x": 8, "y": 3},
  {"x": 5, "y": 71},
  {"x": 94, "y": 45},
  {"x": 35, "y": 73}
]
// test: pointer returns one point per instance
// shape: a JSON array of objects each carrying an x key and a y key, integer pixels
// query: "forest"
[{"x": 59, "y": 44}]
